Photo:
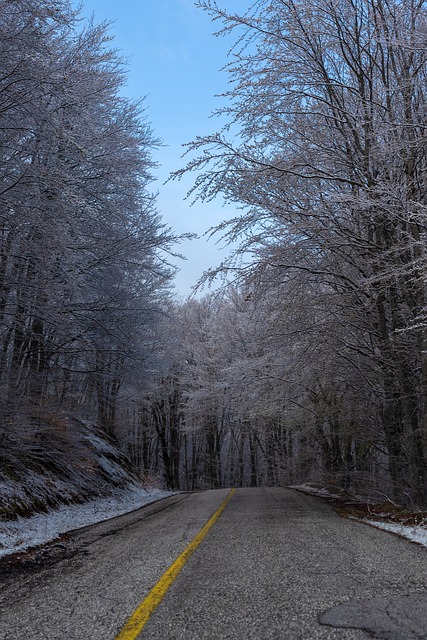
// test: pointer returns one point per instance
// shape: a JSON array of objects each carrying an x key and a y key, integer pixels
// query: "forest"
[{"x": 309, "y": 361}]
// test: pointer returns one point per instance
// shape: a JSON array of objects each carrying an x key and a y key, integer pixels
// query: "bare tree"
[
  {"x": 83, "y": 253},
  {"x": 329, "y": 106}
]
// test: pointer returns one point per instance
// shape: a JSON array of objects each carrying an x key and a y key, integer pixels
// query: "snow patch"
[
  {"x": 18, "y": 535},
  {"x": 414, "y": 533}
]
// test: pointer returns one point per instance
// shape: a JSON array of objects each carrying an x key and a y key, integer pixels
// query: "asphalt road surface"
[{"x": 276, "y": 564}]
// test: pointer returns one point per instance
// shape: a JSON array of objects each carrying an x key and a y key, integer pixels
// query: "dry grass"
[{"x": 382, "y": 511}]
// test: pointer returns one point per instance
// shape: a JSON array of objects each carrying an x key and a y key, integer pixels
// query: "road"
[{"x": 276, "y": 564}]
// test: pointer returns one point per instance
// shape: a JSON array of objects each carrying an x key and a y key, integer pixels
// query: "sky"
[{"x": 175, "y": 61}]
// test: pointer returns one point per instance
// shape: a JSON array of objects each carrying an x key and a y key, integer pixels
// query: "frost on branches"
[{"x": 329, "y": 104}]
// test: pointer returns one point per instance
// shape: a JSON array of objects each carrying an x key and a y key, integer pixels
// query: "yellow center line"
[{"x": 141, "y": 615}]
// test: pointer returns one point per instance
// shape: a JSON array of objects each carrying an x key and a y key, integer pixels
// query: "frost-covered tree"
[
  {"x": 328, "y": 161},
  {"x": 83, "y": 265},
  {"x": 259, "y": 387}
]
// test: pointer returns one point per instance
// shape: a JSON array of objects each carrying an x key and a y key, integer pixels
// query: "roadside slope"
[{"x": 54, "y": 460}]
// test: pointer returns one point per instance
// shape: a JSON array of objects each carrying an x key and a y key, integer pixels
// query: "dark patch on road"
[
  {"x": 391, "y": 618},
  {"x": 35, "y": 558}
]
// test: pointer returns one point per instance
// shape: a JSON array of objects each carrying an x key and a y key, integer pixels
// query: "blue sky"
[{"x": 175, "y": 60}]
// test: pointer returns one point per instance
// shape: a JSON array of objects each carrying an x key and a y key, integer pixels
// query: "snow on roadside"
[
  {"x": 414, "y": 533},
  {"x": 18, "y": 535},
  {"x": 321, "y": 492}
]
